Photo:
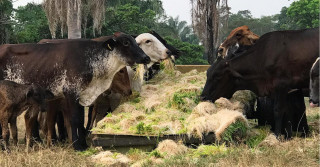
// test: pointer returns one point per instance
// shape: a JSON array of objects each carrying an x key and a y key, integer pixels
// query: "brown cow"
[
  {"x": 16, "y": 98},
  {"x": 241, "y": 36}
]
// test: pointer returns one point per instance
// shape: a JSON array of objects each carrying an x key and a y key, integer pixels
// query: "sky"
[{"x": 182, "y": 8}]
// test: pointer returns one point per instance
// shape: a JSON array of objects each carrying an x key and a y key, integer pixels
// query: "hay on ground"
[
  {"x": 171, "y": 148},
  {"x": 169, "y": 104},
  {"x": 108, "y": 158}
]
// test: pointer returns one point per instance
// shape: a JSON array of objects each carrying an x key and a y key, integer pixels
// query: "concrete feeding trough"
[{"x": 114, "y": 141}]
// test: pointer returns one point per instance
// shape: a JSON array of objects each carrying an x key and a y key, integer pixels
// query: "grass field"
[{"x": 296, "y": 152}]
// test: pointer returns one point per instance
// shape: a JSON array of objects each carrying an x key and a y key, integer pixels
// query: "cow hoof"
[{"x": 79, "y": 147}]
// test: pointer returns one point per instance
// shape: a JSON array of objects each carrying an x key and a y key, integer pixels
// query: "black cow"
[
  {"x": 295, "y": 119},
  {"x": 78, "y": 71},
  {"x": 314, "y": 84},
  {"x": 279, "y": 62}
]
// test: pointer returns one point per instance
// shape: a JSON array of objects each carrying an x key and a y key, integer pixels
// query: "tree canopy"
[{"x": 29, "y": 24}]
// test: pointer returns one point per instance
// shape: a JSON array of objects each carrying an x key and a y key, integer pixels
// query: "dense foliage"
[
  {"x": 32, "y": 24},
  {"x": 305, "y": 13},
  {"x": 29, "y": 24},
  {"x": 6, "y": 12},
  {"x": 191, "y": 53}
]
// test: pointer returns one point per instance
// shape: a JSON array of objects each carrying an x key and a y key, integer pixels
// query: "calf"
[
  {"x": 16, "y": 98},
  {"x": 314, "y": 84}
]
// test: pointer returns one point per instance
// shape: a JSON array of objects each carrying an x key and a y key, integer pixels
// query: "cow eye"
[
  {"x": 126, "y": 43},
  {"x": 148, "y": 41},
  {"x": 121, "y": 71}
]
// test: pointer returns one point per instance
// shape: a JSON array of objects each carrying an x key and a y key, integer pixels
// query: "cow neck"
[
  {"x": 252, "y": 74},
  {"x": 102, "y": 79},
  {"x": 246, "y": 66}
]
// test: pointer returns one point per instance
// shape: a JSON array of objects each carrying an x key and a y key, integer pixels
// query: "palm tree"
[
  {"x": 182, "y": 30},
  {"x": 70, "y": 15}
]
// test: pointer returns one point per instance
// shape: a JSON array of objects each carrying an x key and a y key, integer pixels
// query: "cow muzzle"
[
  {"x": 313, "y": 104},
  {"x": 145, "y": 60}
]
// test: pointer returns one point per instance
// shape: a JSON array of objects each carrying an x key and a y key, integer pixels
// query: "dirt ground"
[{"x": 296, "y": 152}]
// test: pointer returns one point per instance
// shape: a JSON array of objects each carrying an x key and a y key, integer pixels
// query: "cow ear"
[
  {"x": 110, "y": 44},
  {"x": 117, "y": 34},
  {"x": 134, "y": 36},
  {"x": 30, "y": 92}
]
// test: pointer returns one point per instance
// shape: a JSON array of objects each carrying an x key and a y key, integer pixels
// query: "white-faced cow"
[
  {"x": 155, "y": 50},
  {"x": 275, "y": 65},
  {"x": 314, "y": 84},
  {"x": 78, "y": 70}
]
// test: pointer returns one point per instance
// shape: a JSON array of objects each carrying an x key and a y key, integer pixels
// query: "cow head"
[
  {"x": 221, "y": 81},
  {"x": 152, "y": 47},
  {"x": 241, "y": 36},
  {"x": 314, "y": 84},
  {"x": 176, "y": 53},
  {"x": 121, "y": 83},
  {"x": 37, "y": 96},
  {"x": 128, "y": 48}
]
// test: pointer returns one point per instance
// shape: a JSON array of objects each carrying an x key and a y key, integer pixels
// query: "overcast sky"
[{"x": 182, "y": 8}]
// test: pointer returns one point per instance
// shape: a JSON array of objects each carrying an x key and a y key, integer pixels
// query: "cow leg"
[
  {"x": 5, "y": 132},
  {"x": 51, "y": 120},
  {"x": 91, "y": 118},
  {"x": 301, "y": 124},
  {"x": 35, "y": 132},
  {"x": 14, "y": 130},
  {"x": 287, "y": 122},
  {"x": 0, "y": 132},
  {"x": 77, "y": 117},
  {"x": 265, "y": 106},
  {"x": 30, "y": 121},
  {"x": 81, "y": 129},
  {"x": 279, "y": 110},
  {"x": 61, "y": 127}
]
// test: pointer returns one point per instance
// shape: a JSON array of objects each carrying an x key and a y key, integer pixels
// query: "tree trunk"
[
  {"x": 210, "y": 32},
  {"x": 74, "y": 19}
]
